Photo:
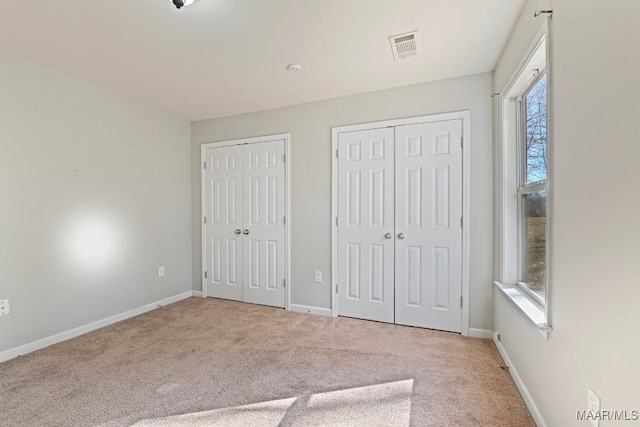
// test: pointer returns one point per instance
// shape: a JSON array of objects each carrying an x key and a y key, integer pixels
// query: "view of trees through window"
[
  {"x": 536, "y": 125},
  {"x": 534, "y": 204}
]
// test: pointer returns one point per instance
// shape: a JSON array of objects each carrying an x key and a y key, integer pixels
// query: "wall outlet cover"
[
  {"x": 593, "y": 406},
  {"x": 4, "y": 307}
]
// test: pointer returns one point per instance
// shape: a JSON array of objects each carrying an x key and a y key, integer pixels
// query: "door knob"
[
  {"x": 388, "y": 236},
  {"x": 238, "y": 231},
  {"x": 245, "y": 232},
  {"x": 401, "y": 236}
]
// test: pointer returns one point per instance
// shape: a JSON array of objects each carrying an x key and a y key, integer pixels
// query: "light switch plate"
[
  {"x": 318, "y": 276},
  {"x": 160, "y": 271}
]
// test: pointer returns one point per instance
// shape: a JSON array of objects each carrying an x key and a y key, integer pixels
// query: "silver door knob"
[
  {"x": 400, "y": 236},
  {"x": 245, "y": 232},
  {"x": 238, "y": 231},
  {"x": 388, "y": 236}
]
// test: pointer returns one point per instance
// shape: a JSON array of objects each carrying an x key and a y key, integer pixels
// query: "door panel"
[
  {"x": 223, "y": 200},
  {"x": 264, "y": 216},
  {"x": 428, "y": 193},
  {"x": 365, "y": 215}
]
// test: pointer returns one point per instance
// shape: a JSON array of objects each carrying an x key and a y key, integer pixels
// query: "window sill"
[{"x": 531, "y": 310}]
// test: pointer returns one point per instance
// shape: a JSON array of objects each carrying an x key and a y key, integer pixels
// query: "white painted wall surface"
[
  {"x": 94, "y": 197},
  {"x": 310, "y": 127},
  {"x": 596, "y": 235}
]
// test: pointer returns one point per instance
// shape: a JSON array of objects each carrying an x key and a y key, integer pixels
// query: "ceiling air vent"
[{"x": 404, "y": 45}]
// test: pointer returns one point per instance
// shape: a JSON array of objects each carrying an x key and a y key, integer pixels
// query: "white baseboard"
[
  {"x": 524, "y": 391},
  {"x": 481, "y": 333},
  {"x": 196, "y": 294},
  {"x": 75, "y": 332},
  {"x": 310, "y": 310}
]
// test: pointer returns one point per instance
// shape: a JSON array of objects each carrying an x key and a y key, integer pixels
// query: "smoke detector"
[{"x": 404, "y": 45}]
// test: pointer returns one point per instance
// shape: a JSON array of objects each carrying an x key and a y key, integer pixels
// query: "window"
[
  {"x": 526, "y": 186},
  {"x": 532, "y": 187}
]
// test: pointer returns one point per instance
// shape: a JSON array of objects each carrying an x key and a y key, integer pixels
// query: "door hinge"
[
  {"x": 337, "y": 155},
  {"x": 205, "y": 165},
  {"x": 284, "y": 283},
  {"x": 284, "y": 158},
  {"x": 284, "y": 220},
  {"x": 462, "y": 142},
  {"x": 460, "y": 221},
  {"x": 336, "y": 221},
  {"x": 205, "y": 219},
  {"x": 461, "y": 299},
  {"x": 336, "y": 288},
  {"x": 205, "y": 274}
]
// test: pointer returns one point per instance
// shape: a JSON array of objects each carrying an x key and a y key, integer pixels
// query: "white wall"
[
  {"x": 310, "y": 127},
  {"x": 595, "y": 239},
  {"x": 77, "y": 162}
]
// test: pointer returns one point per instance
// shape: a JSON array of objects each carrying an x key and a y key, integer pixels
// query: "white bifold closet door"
[
  {"x": 366, "y": 224},
  {"x": 245, "y": 229},
  {"x": 399, "y": 225},
  {"x": 428, "y": 225},
  {"x": 224, "y": 222}
]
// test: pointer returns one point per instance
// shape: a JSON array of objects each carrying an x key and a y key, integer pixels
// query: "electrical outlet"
[
  {"x": 4, "y": 307},
  {"x": 160, "y": 271},
  {"x": 318, "y": 276},
  {"x": 593, "y": 407}
]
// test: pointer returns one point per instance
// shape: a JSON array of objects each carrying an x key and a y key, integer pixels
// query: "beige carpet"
[{"x": 220, "y": 363}]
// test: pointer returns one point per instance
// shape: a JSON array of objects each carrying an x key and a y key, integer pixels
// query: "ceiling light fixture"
[
  {"x": 294, "y": 67},
  {"x": 180, "y": 3}
]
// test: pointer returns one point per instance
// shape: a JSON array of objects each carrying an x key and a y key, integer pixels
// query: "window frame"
[
  {"x": 512, "y": 175},
  {"x": 524, "y": 188}
]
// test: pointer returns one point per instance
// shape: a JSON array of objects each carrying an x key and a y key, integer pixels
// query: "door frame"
[
  {"x": 465, "y": 116},
  {"x": 287, "y": 191}
]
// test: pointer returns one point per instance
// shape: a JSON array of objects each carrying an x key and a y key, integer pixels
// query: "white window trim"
[{"x": 532, "y": 306}]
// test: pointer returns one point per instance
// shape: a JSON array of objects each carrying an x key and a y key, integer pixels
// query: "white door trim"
[
  {"x": 465, "y": 116},
  {"x": 267, "y": 138}
]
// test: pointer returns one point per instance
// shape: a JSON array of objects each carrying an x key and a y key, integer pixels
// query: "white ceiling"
[{"x": 222, "y": 57}]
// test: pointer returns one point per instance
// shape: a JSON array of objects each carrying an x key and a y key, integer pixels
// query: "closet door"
[
  {"x": 428, "y": 273},
  {"x": 264, "y": 223},
  {"x": 365, "y": 224},
  {"x": 224, "y": 209}
]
